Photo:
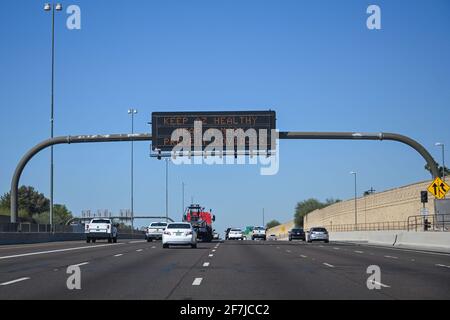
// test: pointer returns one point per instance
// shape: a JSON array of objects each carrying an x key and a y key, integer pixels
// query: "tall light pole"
[
  {"x": 440, "y": 144},
  {"x": 52, "y": 8},
  {"x": 182, "y": 198},
  {"x": 263, "y": 218},
  {"x": 356, "y": 207},
  {"x": 167, "y": 189},
  {"x": 132, "y": 112}
]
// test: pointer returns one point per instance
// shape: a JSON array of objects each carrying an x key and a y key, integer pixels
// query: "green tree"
[
  {"x": 272, "y": 223},
  {"x": 30, "y": 201},
  {"x": 306, "y": 206},
  {"x": 446, "y": 170},
  {"x": 60, "y": 215}
]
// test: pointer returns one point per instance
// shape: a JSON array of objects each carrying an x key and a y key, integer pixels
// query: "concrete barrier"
[
  {"x": 35, "y": 237},
  {"x": 433, "y": 241}
]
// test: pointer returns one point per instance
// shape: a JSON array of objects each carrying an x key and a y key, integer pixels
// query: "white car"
[
  {"x": 235, "y": 234},
  {"x": 100, "y": 229},
  {"x": 259, "y": 233},
  {"x": 179, "y": 233},
  {"x": 155, "y": 231}
]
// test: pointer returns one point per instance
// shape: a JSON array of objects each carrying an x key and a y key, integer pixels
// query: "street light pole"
[
  {"x": 356, "y": 206},
  {"x": 263, "y": 218},
  {"x": 48, "y": 7},
  {"x": 167, "y": 189},
  {"x": 182, "y": 198},
  {"x": 132, "y": 112},
  {"x": 440, "y": 144}
]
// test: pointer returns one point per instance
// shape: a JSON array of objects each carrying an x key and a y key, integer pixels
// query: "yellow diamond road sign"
[{"x": 438, "y": 188}]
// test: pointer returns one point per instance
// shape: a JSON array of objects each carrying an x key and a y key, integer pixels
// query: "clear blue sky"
[{"x": 314, "y": 62}]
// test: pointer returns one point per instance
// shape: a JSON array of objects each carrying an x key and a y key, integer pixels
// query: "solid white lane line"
[
  {"x": 139, "y": 250},
  {"x": 197, "y": 281},
  {"x": 14, "y": 281},
  {"x": 80, "y": 264},
  {"x": 206, "y": 264},
  {"x": 379, "y": 284},
  {"x": 391, "y": 257},
  {"x": 211, "y": 255},
  {"x": 404, "y": 250},
  {"x": 57, "y": 250},
  {"x": 303, "y": 256},
  {"x": 357, "y": 251},
  {"x": 328, "y": 265},
  {"x": 442, "y": 265},
  {"x": 118, "y": 255}
]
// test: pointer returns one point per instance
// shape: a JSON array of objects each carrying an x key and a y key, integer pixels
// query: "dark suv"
[{"x": 297, "y": 234}]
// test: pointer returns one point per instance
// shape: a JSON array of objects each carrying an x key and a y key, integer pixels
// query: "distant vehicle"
[
  {"x": 179, "y": 233},
  {"x": 155, "y": 231},
  {"x": 100, "y": 229},
  {"x": 297, "y": 234},
  {"x": 201, "y": 221},
  {"x": 236, "y": 234},
  {"x": 272, "y": 237},
  {"x": 318, "y": 234},
  {"x": 227, "y": 232},
  {"x": 216, "y": 236},
  {"x": 259, "y": 233}
]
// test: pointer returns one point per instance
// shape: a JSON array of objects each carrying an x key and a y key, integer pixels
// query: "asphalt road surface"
[{"x": 231, "y": 270}]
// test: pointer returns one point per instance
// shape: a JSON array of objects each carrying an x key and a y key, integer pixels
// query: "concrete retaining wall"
[
  {"x": 435, "y": 241},
  {"x": 34, "y": 237},
  {"x": 390, "y": 205}
]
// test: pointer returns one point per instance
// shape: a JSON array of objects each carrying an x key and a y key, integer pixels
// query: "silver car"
[{"x": 318, "y": 234}]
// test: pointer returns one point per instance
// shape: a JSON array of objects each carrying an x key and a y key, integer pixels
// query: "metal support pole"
[
  {"x": 182, "y": 198},
  {"x": 63, "y": 140},
  {"x": 146, "y": 137},
  {"x": 356, "y": 207},
  {"x": 52, "y": 117},
  {"x": 167, "y": 187},
  {"x": 365, "y": 136}
]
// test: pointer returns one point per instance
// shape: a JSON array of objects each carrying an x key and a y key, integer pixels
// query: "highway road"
[{"x": 233, "y": 270}]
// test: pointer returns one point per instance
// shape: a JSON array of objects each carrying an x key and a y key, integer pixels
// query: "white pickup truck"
[{"x": 100, "y": 229}]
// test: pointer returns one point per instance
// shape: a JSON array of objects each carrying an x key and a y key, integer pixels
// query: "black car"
[
  {"x": 226, "y": 233},
  {"x": 297, "y": 234}
]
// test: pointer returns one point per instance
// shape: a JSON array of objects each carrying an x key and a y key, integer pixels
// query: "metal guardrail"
[
  {"x": 373, "y": 226},
  {"x": 440, "y": 222}
]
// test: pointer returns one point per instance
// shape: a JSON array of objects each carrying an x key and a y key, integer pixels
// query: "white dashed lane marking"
[
  {"x": 442, "y": 265},
  {"x": 357, "y": 251},
  {"x": 211, "y": 255},
  {"x": 328, "y": 265},
  {"x": 118, "y": 255},
  {"x": 391, "y": 257},
  {"x": 303, "y": 256},
  {"x": 379, "y": 283},
  {"x": 197, "y": 281},
  {"x": 139, "y": 250},
  {"x": 80, "y": 264},
  {"x": 206, "y": 264}
]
